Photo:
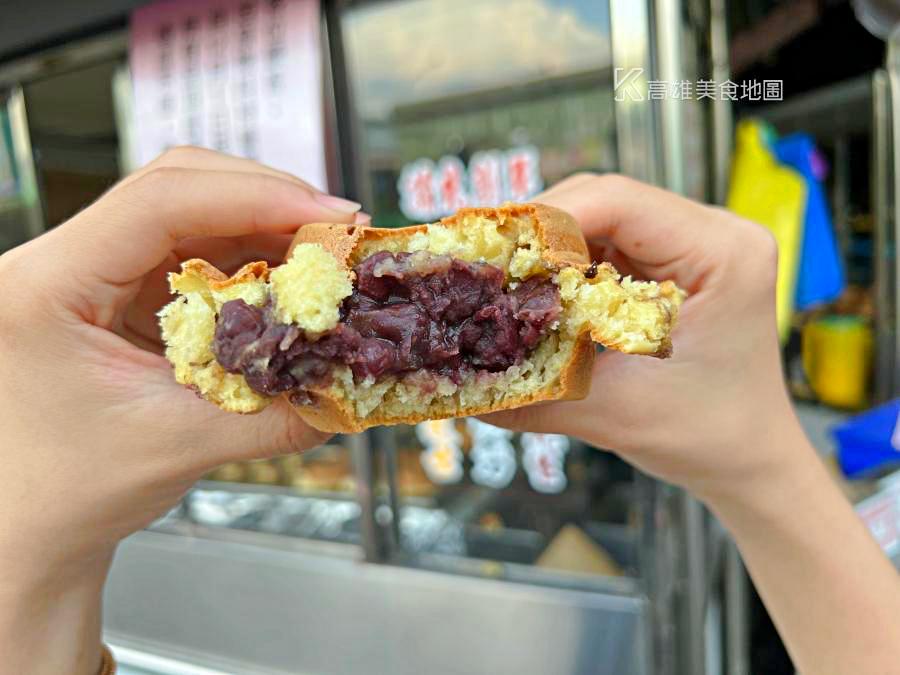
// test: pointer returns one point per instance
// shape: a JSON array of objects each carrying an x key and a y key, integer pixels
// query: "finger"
[
  {"x": 590, "y": 417},
  {"x": 204, "y": 436},
  {"x": 191, "y": 157},
  {"x": 564, "y": 185},
  {"x": 277, "y": 430},
  {"x": 230, "y": 254},
  {"x": 662, "y": 234},
  {"x": 125, "y": 235},
  {"x": 602, "y": 250}
]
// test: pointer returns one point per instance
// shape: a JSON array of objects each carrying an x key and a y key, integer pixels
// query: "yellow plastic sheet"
[{"x": 772, "y": 195}]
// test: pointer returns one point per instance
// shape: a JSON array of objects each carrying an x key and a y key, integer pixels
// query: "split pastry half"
[{"x": 488, "y": 309}]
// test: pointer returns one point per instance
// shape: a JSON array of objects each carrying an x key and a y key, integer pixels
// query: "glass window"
[
  {"x": 476, "y": 101},
  {"x": 468, "y": 489},
  {"x": 71, "y": 120},
  {"x": 310, "y": 495}
]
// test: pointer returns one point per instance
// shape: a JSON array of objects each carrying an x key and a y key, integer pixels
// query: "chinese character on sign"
[
  {"x": 544, "y": 460},
  {"x": 706, "y": 89},
  {"x": 773, "y": 90},
  {"x": 416, "y": 186},
  {"x": 428, "y": 192},
  {"x": 451, "y": 175},
  {"x": 442, "y": 458},
  {"x": 523, "y": 173},
  {"x": 486, "y": 178},
  {"x": 493, "y": 455}
]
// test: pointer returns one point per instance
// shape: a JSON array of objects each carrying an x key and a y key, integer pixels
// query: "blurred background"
[{"x": 456, "y": 547}]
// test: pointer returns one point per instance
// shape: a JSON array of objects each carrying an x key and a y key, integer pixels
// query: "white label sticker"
[
  {"x": 493, "y": 455},
  {"x": 442, "y": 458},
  {"x": 544, "y": 457}
]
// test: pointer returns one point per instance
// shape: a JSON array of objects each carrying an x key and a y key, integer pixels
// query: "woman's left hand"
[{"x": 97, "y": 438}]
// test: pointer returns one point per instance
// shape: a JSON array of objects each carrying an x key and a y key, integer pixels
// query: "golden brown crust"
[
  {"x": 217, "y": 280},
  {"x": 339, "y": 240},
  {"x": 334, "y": 415},
  {"x": 558, "y": 233}
]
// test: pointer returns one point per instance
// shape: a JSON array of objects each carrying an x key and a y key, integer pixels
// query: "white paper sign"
[
  {"x": 492, "y": 453},
  {"x": 240, "y": 76}
]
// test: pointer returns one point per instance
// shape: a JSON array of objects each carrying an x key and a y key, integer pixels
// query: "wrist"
[
  {"x": 52, "y": 622},
  {"x": 779, "y": 466}
]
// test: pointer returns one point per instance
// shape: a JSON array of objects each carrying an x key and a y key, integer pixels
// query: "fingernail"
[
  {"x": 336, "y": 203},
  {"x": 362, "y": 218}
]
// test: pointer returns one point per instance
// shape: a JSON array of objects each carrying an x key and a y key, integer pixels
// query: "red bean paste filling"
[{"x": 407, "y": 313}]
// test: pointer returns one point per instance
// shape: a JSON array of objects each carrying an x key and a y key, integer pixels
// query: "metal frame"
[
  {"x": 893, "y": 215},
  {"x": 883, "y": 169},
  {"x": 23, "y": 158},
  {"x": 71, "y": 56},
  {"x": 16, "y": 73}
]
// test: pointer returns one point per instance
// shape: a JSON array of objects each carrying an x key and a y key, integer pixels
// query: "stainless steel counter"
[{"x": 247, "y": 608}]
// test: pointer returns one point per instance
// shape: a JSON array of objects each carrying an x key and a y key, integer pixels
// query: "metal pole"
[
  {"x": 361, "y": 454},
  {"x": 386, "y": 445},
  {"x": 893, "y": 68},
  {"x": 737, "y": 613},
  {"x": 884, "y": 236},
  {"x": 668, "y": 25},
  {"x": 636, "y": 140},
  {"x": 667, "y": 21},
  {"x": 722, "y": 119},
  {"x": 23, "y": 156},
  {"x": 693, "y": 638},
  {"x": 841, "y": 198}
]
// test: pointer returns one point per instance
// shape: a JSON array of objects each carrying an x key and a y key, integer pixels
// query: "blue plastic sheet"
[
  {"x": 820, "y": 276},
  {"x": 868, "y": 442}
]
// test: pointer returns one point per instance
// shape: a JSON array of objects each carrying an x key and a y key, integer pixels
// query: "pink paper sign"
[{"x": 240, "y": 76}]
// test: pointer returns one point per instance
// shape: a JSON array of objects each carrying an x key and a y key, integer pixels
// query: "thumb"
[
  {"x": 581, "y": 418},
  {"x": 539, "y": 418},
  {"x": 200, "y": 436},
  {"x": 277, "y": 430}
]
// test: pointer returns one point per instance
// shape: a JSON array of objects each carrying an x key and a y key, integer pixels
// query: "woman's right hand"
[
  {"x": 713, "y": 417},
  {"x": 716, "y": 419}
]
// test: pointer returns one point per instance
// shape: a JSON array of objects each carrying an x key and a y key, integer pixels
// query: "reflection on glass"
[
  {"x": 309, "y": 495},
  {"x": 454, "y": 79},
  {"x": 531, "y": 499}
]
